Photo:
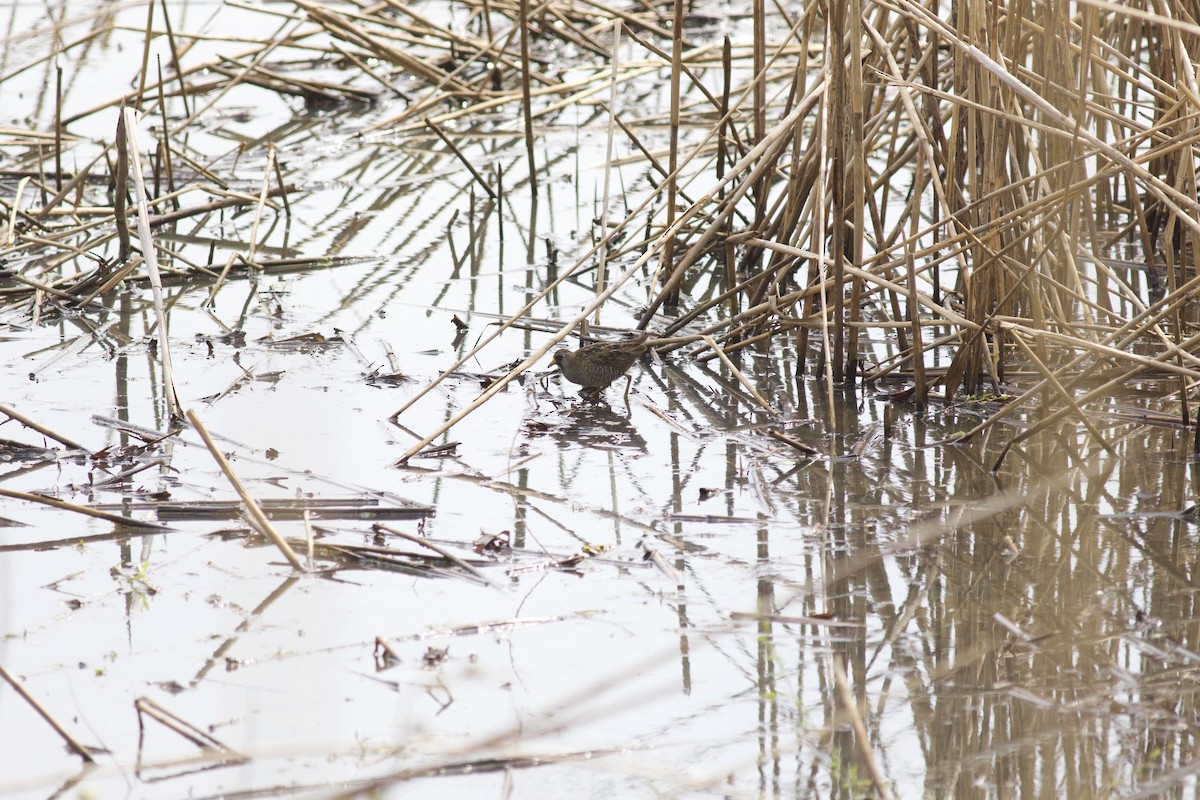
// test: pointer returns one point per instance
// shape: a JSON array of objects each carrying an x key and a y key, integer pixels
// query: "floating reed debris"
[
  {"x": 29, "y": 423},
  {"x": 441, "y": 551},
  {"x": 80, "y": 749},
  {"x": 147, "y": 707},
  {"x": 257, "y": 515},
  {"x": 355, "y": 508},
  {"x": 87, "y": 511}
]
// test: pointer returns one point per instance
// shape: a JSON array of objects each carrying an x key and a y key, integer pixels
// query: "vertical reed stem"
[
  {"x": 151, "y": 257},
  {"x": 921, "y": 392},
  {"x": 836, "y": 124},
  {"x": 121, "y": 191},
  {"x": 668, "y": 254},
  {"x": 145, "y": 54},
  {"x": 615, "y": 60},
  {"x": 855, "y": 174},
  {"x": 526, "y": 101},
  {"x": 58, "y": 172}
]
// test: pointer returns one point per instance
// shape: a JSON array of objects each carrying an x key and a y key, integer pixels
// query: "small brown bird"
[{"x": 595, "y": 366}]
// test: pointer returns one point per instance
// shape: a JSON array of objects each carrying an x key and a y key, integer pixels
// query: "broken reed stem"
[
  {"x": 737, "y": 373},
  {"x": 63, "y": 505},
  {"x": 28, "y": 423},
  {"x": 74, "y": 744},
  {"x": 121, "y": 191},
  {"x": 723, "y": 110},
  {"x": 195, "y": 735},
  {"x": 10, "y": 234},
  {"x": 264, "y": 188},
  {"x": 441, "y": 551},
  {"x": 73, "y": 184},
  {"x": 367, "y": 70},
  {"x": 433, "y": 126},
  {"x": 150, "y": 254},
  {"x": 257, "y": 516},
  {"x": 282, "y": 187},
  {"x": 783, "y": 438}
]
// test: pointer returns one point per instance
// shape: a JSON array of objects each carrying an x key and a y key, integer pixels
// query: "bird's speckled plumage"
[{"x": 595, "y": 366}]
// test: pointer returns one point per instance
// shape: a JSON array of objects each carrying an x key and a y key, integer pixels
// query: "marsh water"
[{"x": 662, "y": 599}]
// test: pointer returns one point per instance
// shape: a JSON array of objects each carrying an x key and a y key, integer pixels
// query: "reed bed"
[
  {"x": 986, "y": 202},
  {"x": 982, "y": 201}
]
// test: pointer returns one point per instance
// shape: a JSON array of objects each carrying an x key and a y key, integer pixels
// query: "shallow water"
[{"x": 1028, "y": 631}]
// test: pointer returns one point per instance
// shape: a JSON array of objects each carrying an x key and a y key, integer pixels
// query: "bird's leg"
[{"x": 628, "y": 385}]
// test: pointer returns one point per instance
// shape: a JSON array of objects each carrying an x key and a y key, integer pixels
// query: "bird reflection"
[{"x": 591, "y": 424}]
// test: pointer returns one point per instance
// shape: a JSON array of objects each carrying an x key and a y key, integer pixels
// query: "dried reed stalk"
[
  {"x": 79, "y": 748},
  {"x": 257, "y": 515},
  {"x": 150, "y": 254}
]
